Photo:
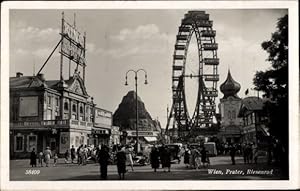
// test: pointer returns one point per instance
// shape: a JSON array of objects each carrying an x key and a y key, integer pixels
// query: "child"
[
  {"x": 55, "y": 159},
  {"x": 41, "y": 158}
]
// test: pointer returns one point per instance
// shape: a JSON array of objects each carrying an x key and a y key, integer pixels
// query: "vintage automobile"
[{"x": 175, "y": 152}]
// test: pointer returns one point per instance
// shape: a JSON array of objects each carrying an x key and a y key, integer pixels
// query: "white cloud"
[
  {"x": 141, "y": 40},
  {"x": 141, "y": 32},
  {"x": 36, "y": 35}
]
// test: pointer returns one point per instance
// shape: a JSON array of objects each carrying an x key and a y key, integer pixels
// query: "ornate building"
[
  {"x": 53, "y": 113},
  {"x": 229, "y": 109}
]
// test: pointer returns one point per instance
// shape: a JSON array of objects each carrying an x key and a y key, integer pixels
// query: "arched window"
[
  {"x": 81, "y": 109},
  {"x": 74, "y": 108},
  {"x": 229, "y": 114},
  {"x": 66, "y": 106}
]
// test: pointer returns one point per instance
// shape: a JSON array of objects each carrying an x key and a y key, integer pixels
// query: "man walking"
[
  {"x": 103, "y": 158},
  {"x": 73, "y": 154}
]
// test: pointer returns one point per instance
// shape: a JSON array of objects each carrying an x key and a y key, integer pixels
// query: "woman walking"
[
  {"x": 165, "y": 157},
  {"x": 121, "y": 163},
  {"x": 186, "y": 157},
  {"x": 47, "y": 155},
  {"x": 154, "y": 158},
  {"x": 129, "y": 157},
  {"x": 33, "y": 158}
]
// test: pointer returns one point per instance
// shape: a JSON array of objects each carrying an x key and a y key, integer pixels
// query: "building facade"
[
  {"x": 54, "y": 113},
  {"x": 229, "y": 108},
  {"x": 255, "y": 120}
]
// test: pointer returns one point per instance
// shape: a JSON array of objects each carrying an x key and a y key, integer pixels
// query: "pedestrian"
[
  {"x": 165, "y": 157},
  {"x": 255, "y": 154},
  {"x": 33, "y": 158},
  {"x": 121, "y": 162},
  {"x": 204, "y": 157},
  {"x": 67, "y": 155},
  {"x": 41, "y": 158},
  {"x": 251, "y": 152},
  {"x": 103, "y": 158},
  {"x": 73, "y": 154},
  {"x": 47, "y": 156},
  {"x": 55, "y": 158},
  {"x": 232, "y": 151},
  {"x": 80, "y": 154},
  {"x": 84, "y": 155},
  {"x": 269, "y": 152},
  {"x": 129, "y": 159},
  {"x": 197, "y": 157},
  {"x": 193, "y": 157},
  {"x": 154, "y": 158},
  {"x": 244, "y": 150},
  {"x": 186, "y": 157}
]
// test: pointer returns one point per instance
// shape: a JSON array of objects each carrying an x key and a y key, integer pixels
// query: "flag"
[{"x": 247, "y": 91}]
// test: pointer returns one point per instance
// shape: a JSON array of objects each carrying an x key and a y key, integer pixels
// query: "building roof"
[
  {"x": 230, "y": 87},
  {"x": 251, "y": 104},
  {"x": 24, "y": 81},
  {"x": 39, "y": 81}
]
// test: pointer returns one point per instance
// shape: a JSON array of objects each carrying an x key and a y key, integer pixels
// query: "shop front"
[{"x": 99, "y": 136}]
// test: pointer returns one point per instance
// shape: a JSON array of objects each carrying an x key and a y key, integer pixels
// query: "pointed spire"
[{"x": 230, "y": 87}]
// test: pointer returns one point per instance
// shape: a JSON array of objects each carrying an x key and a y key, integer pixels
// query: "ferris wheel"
[{"x": 195, "y": 24}]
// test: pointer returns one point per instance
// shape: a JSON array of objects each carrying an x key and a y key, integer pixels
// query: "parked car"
[{"x": 175, "y": 152}]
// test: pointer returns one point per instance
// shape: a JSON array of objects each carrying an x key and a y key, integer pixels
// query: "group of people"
[
  {"x": 195, "y": 157},
  {"x": 160, "y": 155},
  {"x": 43, "y": 157},
  {"x": 122, "y": 155}
]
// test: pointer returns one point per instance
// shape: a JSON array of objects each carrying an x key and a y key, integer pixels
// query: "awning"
[{"x": 151, "y": 139}]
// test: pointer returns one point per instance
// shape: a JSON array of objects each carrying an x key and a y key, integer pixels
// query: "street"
[{"x": 220, "y": 169}]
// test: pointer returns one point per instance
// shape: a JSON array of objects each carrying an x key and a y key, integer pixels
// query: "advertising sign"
[
  {"x": 64, "y": 142},
  {"x": 72, "y": 44},
  {"x": 28, "y": 106}
]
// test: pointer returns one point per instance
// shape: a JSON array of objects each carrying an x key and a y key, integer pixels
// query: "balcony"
[{"x": 41, "y": 125}]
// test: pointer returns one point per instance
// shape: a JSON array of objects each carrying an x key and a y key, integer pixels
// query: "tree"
[{"x": 274, "y": 81}]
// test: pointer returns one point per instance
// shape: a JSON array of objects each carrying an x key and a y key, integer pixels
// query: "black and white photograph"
[{"x": 125, "y": 94}]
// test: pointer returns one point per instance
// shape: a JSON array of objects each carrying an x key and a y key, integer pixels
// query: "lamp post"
[{"x": 136, "y": 100}]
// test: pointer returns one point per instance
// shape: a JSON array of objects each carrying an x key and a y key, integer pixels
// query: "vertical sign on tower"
[{"x": 72, "y": 46}]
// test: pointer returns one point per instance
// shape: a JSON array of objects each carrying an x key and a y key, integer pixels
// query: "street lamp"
[{"x": 136, "y": 100}]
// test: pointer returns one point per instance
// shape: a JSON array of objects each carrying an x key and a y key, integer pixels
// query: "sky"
[{"x": 119, "y": 40}]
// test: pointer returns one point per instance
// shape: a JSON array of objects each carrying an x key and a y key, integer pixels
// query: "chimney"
[
  {"x": 19, "y": 74},
  {"x": 41, "y": 76}
]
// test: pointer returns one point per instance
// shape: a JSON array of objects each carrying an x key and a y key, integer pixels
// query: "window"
[
  {"x": 66, "y": 106},
  {"x": 81, "y": 109},
  {"x": 19, "y": 143},
  {"x": 49, "y": 114},
  {"x": 56, "y": 102},
  {"x": 49, "y": 100},
  {"x": 229, "y": 114},
  {"x": 74, "y": 116},
  {"x": 74, "y": 108},
  {"x": 76, "y": 141}
]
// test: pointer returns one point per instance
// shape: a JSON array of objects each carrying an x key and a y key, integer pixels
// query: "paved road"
[{"x": 226, "y": 171}]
